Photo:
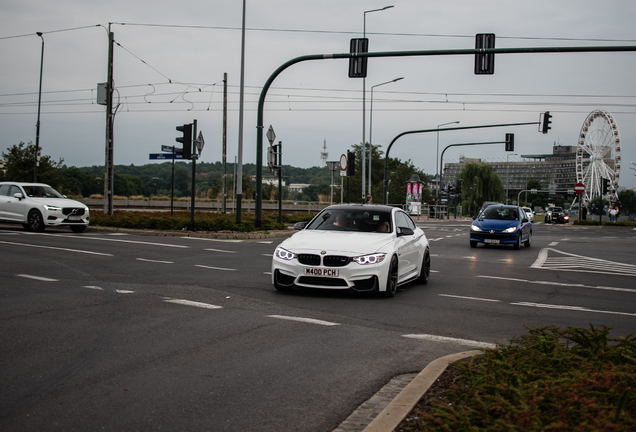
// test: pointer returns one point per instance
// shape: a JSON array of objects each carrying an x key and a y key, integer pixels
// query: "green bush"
[
  {"x": 203, "y": 221},
  {"x": 551, "y": 379}
]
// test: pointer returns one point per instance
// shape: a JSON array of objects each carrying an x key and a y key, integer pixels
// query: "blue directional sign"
[{"x": 166, "y": 156}]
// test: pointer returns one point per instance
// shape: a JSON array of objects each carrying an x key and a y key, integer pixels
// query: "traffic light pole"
[
  {"x": 261, "y": 101},
  {"x": 388, "y": 149}
]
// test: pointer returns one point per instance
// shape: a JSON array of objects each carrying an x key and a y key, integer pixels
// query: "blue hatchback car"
[{"x": 501, "y": 224}]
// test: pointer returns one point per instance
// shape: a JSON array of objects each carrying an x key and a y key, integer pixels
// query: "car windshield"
[
  {"x": 501, "y": 213},
  {"x": 41, "y": 192},
  {"x": 557, "y": 209},
  {"x": 358, "y": 220}
]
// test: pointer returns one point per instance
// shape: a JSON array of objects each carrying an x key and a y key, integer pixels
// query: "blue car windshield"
[
  {"x": 500, "y": 213},
  {"x": 358, "y": 220}
]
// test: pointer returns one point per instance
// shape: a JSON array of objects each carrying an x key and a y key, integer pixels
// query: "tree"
[
  {"x": 20, "y": 163},
  {"x": 536, "y": 199},
  {"x": 627, "y": 201},
  {"x": 480, "y": 183}
]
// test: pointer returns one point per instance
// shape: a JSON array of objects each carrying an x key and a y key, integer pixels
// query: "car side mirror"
[
  {"x": 300, "y": 225},
  {"x": 404, "y": 231},
  {"x": 18, "y": 195},
  {"x": 525, "y": 220}
]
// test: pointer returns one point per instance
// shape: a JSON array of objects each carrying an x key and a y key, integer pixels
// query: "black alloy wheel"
[
  {"x": 391, "y": 282},
  {"x": 35, "y": 221},
  {"x": 425, "y": 271}
]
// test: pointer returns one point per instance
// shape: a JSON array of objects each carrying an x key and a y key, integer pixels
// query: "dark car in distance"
[{"x": 556, "y": 215}]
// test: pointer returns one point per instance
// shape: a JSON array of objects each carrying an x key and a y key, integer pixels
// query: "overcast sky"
[{"x": 171, "y": 57}]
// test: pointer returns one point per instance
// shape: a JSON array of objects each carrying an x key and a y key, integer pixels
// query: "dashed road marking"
[
  {"x": 304, "y": 320},
  {"x": 40, "y": 278},
  {"x": 221, "y": 250},
  {"x": 124, "y": 292},
  {"x": 571, "y": 308},
  {"x": 154, "y": 261},
  {"x": 573, "y": 285},
  {"x": 470, "y": 298},
  {"x": 214, "y": 268},
  {"x": 93, "y": 287},
  {"x": 578, "y": 263},
  {"x": 56, "y": 248},
  {"x": 192, "y": 303}
]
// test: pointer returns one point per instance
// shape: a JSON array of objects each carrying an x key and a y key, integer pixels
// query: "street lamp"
[
  {"x": 437, "y": 157},
  {"x": 364, "y": 88},
  {"x": 371, "y": 125},
  {"x": 154, "y": 180},
  {"x": 507, "y": 176},
  {"x": 37, "y": 125}
]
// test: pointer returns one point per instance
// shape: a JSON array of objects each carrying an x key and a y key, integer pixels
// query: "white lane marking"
[
  {"x": 436, "y": 239},
  {"x": 266, "y": 242},
  {"x": 9, "y": 233},
  {"x": 579, "y": 263},
  {"x": 117, "y": 234},
  {"x": 214, "y": 240},
  {"x": 154, "y": 261},
  {"x": 111, "y": 240},
  {"x": 193, "y": 303},
  {"x": 93, "y": 287},
  {"x": 124, "y": 292},
  {"x": 434, "y": 271},
  {"x": 470, "y": 257},
  {"x": 575, "y": 285},
  {"x": 268, "y": 255},
  {"x": 215, "y": 268},
  {"x": 470, "y": 298},
  {"x": 40, "y": 278},
  {"x": 56, "y": 248},
  {"x": 467, "y": 342},
  {"x": 553, "y": 244},
  {"x": 220, "y": 250},
  {"x": 267, "y": 273},
  {"x": 572, "y": 308},
  {"x": 305, "y": 320}
]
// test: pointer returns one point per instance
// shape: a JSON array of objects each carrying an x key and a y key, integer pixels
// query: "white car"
[
  {"x": 529, "y": 213},
  {"x": 363, "y": 248},
  {"x": 37, "y": 206}
]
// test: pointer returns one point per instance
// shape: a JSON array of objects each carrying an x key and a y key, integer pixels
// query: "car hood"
[
  {"x": 350, "y": 243},
  {"x": 495, "y": 224},
  {"x": 58, "y": 202}
]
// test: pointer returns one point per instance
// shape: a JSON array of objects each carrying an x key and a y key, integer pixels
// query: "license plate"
[
  {"x": 324, "y": 272},
  {"x": 74, "y": 218},
  {"x": 491, "y": 241}
]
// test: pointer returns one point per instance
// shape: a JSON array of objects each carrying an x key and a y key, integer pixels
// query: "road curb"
[{"x": 403, "y": 404}]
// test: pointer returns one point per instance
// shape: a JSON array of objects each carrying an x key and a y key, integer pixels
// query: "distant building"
[
  {"x": 269, "y": 180},
  {"x": 558, "y": 169},
  {"x": 298, "y": 187}
]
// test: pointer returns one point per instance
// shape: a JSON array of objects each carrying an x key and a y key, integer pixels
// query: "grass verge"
[{"x": 549, "y": 380}]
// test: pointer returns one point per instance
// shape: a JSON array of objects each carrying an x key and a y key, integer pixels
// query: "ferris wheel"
[{"x": 598, "y": 155}]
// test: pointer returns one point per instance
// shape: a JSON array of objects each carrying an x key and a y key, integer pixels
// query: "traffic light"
[
  {"x": 484, "y": 63},
  {"x": 186, "y": 140},
  {"x": 458, "y": 187},
  {"x": 510, "y": 142},
  {"x": 358, "y": 65},
  {"x": 546, "y": 121},
  {"x": 604, "y": 185},
  {"x": 351, "y": 163}
]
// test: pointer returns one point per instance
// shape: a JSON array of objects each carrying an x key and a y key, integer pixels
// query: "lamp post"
[
  {"x": 437, "y": 157},
  {"x": 364, "y": 88},
  {"x": 371, "y": 124},
  {"x": 37, "y": 125},
  {"x": 507, "y": 176},
  {"x": 154, "y": 180}
]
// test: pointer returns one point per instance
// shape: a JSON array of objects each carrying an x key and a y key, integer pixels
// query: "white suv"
[
  {"x": 37, "y": 206},
  {"x": 529, "y": 212}
]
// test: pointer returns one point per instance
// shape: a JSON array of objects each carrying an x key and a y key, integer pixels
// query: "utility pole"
[
  {"x": 194, "y": 173},
  {"x": 224, "y": 143},
  {"x": 37, "y": 125},
  {"x": 109, "y": 174}
]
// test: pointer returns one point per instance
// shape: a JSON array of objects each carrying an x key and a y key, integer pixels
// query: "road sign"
[
  {"x": 200, "y": 142},
  {"x": 271, "y": 136},
  {"x": 165, "y": 148},
  {"x": 343, "y": 162},
  {"x": 166, "y": 156},
  {"x": 579, "y": 188}
]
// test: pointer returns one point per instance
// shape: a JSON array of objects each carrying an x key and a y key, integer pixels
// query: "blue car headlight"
[
  {"x": 474, "y": 227},
  {"x": 284, "y": 254},
  {"x": 375, "y": 258},
  {"x": 510, "y": 230}
]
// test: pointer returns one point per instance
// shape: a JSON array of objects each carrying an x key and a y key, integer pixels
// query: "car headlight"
[
  {"x": 510, "y": 230},
  {"x": 284, "y": 254},
  {"x": 475, "y": 228},
  {"x": 370, "y": 259},
  {"x": 52, "y": 208}
]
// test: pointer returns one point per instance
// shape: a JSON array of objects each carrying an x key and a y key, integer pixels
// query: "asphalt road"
[{"x": 126, "y": 332}]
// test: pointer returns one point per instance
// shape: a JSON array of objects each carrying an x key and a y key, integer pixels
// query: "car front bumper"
[
  {"x": 353, "y": 276},
  {"x": 494, "y": 238}
]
